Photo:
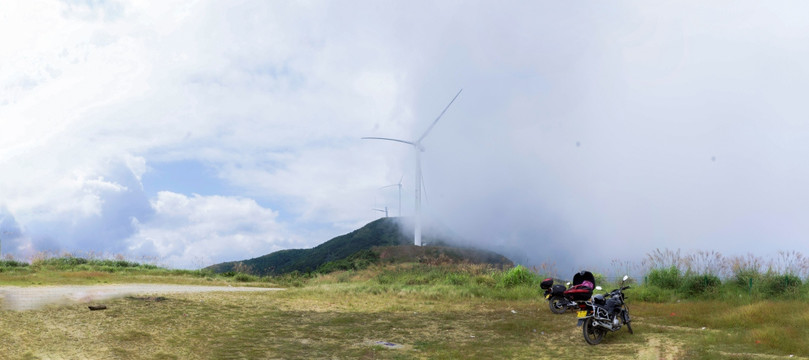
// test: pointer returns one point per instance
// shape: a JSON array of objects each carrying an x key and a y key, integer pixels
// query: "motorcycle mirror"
[
  {"x": 598, "y": 288},
  {"x": 567, "y": 284},
  {"x": 626, "y": 277}
]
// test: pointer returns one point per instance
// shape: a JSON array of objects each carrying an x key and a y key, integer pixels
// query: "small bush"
[
  {"x": 456, "y": 279},
  {"x": 241, "y": 277},
  {"x": 60, "y": 263},
  {"x": 665, "y": 278},
  {"x": 294, "y": 279},
  {"x": 12, "y": 264},
  {"x": 357, "y": 261},
  {"x": 780, "y": 284},
  {"x": 518, "y": 275},
  {"x": 743, "y": 276},
  {"x": 695, "y": 285}
]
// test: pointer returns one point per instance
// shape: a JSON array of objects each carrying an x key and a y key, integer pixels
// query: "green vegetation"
[
  {"x": 357, "y": 261},
  {"x": 518, "y": 275},
  {"x": 429, "y": 309},
  {"x": 357, "y": 250},
  {"x": 68, "y": 269},
  {"x": 382, "y": 232},
  {"x": 666, "y": 278},
  {"x": 6, "y": 265}
]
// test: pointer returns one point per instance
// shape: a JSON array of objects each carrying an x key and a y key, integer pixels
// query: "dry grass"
[
  {"x": 321, "y": 322},
  {"x": 353, "y": 315},
  {"x": 344, "y": 321}
]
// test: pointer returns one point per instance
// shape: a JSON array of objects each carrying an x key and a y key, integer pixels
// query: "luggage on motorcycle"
[
  {"x": 583, "y": 284},
  {"x": 583, "y": 276},
  {"x": 579, "y": 293},
  {"x": 546, "y": 284},
  {"x": 558, "y": 289}
]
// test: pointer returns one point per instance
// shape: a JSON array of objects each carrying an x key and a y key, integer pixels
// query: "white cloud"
[{"x": 195, "y": 231}]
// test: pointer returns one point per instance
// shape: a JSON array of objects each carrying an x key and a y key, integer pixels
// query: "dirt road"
[{"x": 29, "y": 298}]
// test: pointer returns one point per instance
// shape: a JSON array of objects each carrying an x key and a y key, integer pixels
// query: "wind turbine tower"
[
  {"x": 399, "y": 185},
  {"x": 384, "y": 211},
  {"x": 416, "y": 144}
]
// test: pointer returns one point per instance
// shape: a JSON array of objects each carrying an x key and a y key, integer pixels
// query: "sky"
[{"x": 197, "y": 132}]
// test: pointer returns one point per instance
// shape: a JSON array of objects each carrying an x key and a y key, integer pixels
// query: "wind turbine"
[
  {"x": 416, "y": 144},
  {"x": 384, "y": 211},
  {"x": 400, "y": 193}
]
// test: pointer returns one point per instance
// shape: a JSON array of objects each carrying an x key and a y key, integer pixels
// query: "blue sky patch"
[{"x": 184, "y": 177}]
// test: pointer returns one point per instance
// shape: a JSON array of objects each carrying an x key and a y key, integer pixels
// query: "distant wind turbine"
[
  {"x": 384, "y": 211},
  {"x": 400, "y": 193},
  {"x": 419, "y": 149}
]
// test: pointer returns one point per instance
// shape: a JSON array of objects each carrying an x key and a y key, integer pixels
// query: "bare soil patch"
[{"x": 30, "y": 298}]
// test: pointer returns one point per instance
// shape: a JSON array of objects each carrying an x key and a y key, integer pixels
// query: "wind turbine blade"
[
  {"x": 389, "y": 139},
  {"x": 439, "y": 117}
]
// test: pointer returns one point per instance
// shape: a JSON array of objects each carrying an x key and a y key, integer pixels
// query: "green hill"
[{"x": 378, "y": 240}]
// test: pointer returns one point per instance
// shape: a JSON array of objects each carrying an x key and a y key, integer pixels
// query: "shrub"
[
  {"x": 454, "y": 278},
  {"x": 780, "y": 284},
  {"x": 743, "y": 276},
  {"x": 61, "y": 263},
  {"x": 518, "y": 275},
  {"x": 357, "y": 261},
  {"x": 694, "y": 285},
  {"x": 12, "y": 264},
  {"x": 294, "y": 279},
  {"x": 665, "y": 278},
  {"x": 241, "y": 277}
]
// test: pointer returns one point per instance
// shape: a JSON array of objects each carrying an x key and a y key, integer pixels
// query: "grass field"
[{"x": 400, "y": 311}]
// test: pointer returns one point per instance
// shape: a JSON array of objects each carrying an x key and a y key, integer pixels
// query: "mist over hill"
[{"x": 384, "y": 232}]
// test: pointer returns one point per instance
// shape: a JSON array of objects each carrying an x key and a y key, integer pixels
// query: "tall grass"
[
  {"x": 669, "y": 275},
  {"x": 700, "y": 275},
  {"x": 65, "y": 268}
]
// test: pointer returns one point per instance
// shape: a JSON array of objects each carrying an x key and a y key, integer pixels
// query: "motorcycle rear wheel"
[
  {"x": 592, "y": 334},
  {"x": 557, "y": 304}
]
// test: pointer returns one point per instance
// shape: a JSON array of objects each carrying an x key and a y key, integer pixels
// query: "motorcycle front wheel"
[
  {"x": 592, "y": 334},
  {"x": 557, "y": 304},
  {"x": 627, "y": 321}
]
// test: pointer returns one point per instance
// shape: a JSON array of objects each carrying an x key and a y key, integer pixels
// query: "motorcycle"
[
  {"x": 605, "y": 314},
  {"x": 560, "y": 298}
]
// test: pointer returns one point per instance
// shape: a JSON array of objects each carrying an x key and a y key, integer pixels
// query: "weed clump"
[
  {"x": 776, "y": 285},
  {"x": 698, "y": 285},
  {"x": 12, "y": 264},
  {"x": 518, "y": 275},
  {"x": 357, "y": 261},
  {"x": 665, "y": 278}
]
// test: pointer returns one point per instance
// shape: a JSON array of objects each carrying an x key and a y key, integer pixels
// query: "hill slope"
[{"x": 383, "y": 232}]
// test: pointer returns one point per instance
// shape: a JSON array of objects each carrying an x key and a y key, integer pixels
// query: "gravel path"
[{"x": 29, "y": 298}]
